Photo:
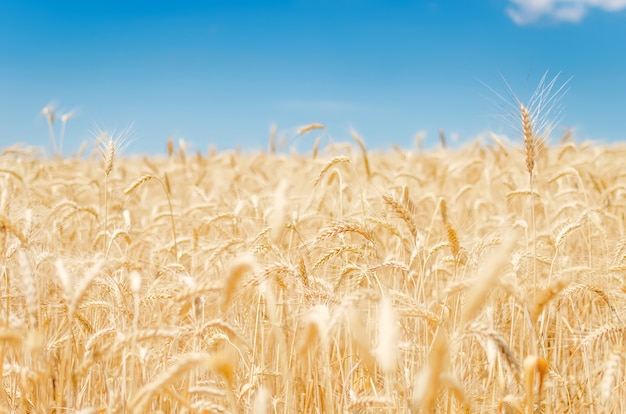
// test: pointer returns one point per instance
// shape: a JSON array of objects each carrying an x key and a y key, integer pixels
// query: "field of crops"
[{"x": 482, "y": 279}]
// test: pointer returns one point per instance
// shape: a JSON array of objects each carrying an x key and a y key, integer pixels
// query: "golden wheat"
[
  {"x": 11, "y": 227},
  {"x": 361, "y": 145},
  {"x": 309, "y": 128},
  {"x": 298, "y": 284}
]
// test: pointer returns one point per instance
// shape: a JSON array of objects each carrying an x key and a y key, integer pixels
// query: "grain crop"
[{"x": 487, "y": 278}]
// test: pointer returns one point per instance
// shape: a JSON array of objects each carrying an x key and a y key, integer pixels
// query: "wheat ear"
[
  {"x": 404, "y": 214},
  {"x": 453, "y": 238},
  {"x": 166, "y": 189},
  {"x": 361, "y": 145},
  {"x": 238, "y": 268},
  {"x": 329, "y": 165},
  {"x": 529, "y": 140},
  {"x": 308, "y": 128},
  {"x": 442, "y": 138},
  {"x": 535, "y": 368}
]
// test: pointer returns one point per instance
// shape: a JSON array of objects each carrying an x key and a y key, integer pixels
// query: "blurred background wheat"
[{"x": 338, "y": 281}]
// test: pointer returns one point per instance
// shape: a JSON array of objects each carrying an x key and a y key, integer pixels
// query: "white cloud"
[
  {"x": 570, "y": 13},
  {"x": 610, "y": 5},
  {"x": 524, "y": 12}
]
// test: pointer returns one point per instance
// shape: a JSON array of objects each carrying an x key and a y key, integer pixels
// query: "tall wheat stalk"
[
  {"x": 536, "y": 120},
  {"x": 109, "y": 158},
  {"x": 530, "y": 144},
  {"x": 110, "y": 146}
]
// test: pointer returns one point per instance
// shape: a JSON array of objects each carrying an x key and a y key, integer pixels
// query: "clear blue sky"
[{"x": 220, "y": 72}]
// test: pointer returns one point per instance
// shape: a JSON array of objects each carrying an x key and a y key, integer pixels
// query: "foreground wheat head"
[{"x": 349, "y": 282}]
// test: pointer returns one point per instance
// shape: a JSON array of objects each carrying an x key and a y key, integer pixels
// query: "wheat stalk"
[
  {"x": 7, "y": 224},
  {"x": 489, "y": 274},
  {"x": 329, "y": 165},
  {"x": 387, "y": 349},
  {"x": 442, "y": 138},
  {"x": 31, "y": 294},
  {"x": 544, "y": 296},
  {"x": 404, "y": 214},
  {"x": 427, "y": 384},
  {"x": 84, "y": 284},
  {"x": 361, "y": 145},
  {"x": 611, "y": 367},
  {"x": 144, "y": 179},
  {"x": 308, "y": 128},
  {"x": 344, "y": 228},
  {"x": 238, "y": 268},
  {"x": 530, "y": 143},
  {"x": 261, "y": 403},
  {"x": 184, "y": 364}
]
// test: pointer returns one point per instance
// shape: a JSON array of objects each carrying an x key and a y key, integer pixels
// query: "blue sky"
[{"x": 221, "y": 72}]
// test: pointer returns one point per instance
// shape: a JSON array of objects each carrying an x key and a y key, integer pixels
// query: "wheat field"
[{"x": 342, "y": 280}]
